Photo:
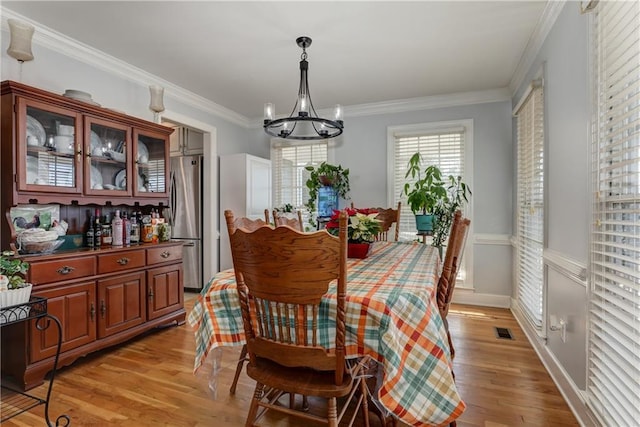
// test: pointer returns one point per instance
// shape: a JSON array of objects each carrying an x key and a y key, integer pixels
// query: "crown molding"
[
  {"x": 79, "y": 51},
  {"x": 417, "y": 104},
  {"x": 545, "y": 23}
]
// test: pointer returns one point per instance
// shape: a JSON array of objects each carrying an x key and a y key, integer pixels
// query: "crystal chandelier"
[{"x": 303, "y": 123}]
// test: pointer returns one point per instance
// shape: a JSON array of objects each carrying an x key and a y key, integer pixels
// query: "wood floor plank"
[{"x": 149, "y": 381}]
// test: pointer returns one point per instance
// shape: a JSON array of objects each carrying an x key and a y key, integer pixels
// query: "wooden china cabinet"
[{"x": 58, "y": 150}]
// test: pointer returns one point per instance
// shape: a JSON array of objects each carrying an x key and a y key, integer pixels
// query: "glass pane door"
[
  {"x": 47, "y": 149},
  {"x": 151, "y": 152},
  {"x": 108, "y": 152}
]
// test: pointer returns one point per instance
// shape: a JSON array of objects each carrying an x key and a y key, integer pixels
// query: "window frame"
[
  {"x": 536, "y": 87},
  {"x": 279, "y": 143},
  {"x": 430, "y": 128}
]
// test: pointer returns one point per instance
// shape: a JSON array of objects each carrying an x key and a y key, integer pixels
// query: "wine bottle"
[{"x": 90, "y": 234}]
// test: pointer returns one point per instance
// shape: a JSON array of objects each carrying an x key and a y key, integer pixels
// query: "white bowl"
[
  {"x": 64, "y": 143},
  {"x": 66, "y": 130}
]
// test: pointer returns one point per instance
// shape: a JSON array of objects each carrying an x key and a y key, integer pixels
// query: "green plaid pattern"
[{"x": 392, "y": 315}]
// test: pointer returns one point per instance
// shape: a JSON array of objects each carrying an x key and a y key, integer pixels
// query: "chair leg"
[
  {"x": 241, "y": 360},
  {"x": 253, "y": 409},
  {"x": 365, "y": 401},
  {"x": 332, "y": 412},
  {"x": 452, "y": 350}
]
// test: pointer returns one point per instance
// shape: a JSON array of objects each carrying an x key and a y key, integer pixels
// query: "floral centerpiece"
[
  {"x": 363, "y": 230},
  {"x": 13, "y": 288}
]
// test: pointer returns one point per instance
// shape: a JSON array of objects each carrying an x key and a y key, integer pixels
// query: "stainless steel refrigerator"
[{"x": 185, "y": 215}]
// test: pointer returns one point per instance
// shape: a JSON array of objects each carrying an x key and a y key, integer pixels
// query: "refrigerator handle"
[{"x": 172, "y": 197}]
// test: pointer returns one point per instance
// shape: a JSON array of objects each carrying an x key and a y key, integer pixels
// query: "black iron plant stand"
[{"x": 15, "y": 402}]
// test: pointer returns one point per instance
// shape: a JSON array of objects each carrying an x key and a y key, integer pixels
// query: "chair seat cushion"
[{"x": 305, "y": 381}]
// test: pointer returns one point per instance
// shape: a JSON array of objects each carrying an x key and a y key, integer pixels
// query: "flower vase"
[{"x": 358, "y": 250}]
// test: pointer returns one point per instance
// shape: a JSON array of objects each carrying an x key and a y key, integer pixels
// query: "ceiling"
[{"x": 242, "y": 54}]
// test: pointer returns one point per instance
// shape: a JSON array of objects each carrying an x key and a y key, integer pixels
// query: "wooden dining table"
[{"x": 391, "y": 315}]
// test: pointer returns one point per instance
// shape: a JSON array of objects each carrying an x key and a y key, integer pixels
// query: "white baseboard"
[
  {"x": 572, "y": 395},
  {"x": 468, "y": 296}
]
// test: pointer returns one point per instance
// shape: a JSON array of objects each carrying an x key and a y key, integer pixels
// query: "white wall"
[{"x": 564, "y": 58}]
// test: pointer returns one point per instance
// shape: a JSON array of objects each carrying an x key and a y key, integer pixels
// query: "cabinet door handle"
[
  {"x": 123, "y": 261},
  {"x": 165, "y": 254},
  {"x": 92, "y": 311},
  {"x": 65, "y": 269},
  {"x": 151, "y": 293},
  {"x": 103, "y": 308}
]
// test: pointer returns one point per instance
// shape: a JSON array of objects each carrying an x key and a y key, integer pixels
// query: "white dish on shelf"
[
  {"x": 79, "y": 96},
  {"x": 32, "y": 169},
  {"x": 120, "y": 180},
  {"x": 96, "y": 142},
  {"x": 96, "y": 177},
  {"x": 143, "y": 153},
  {"x": 34, "y": 128}
]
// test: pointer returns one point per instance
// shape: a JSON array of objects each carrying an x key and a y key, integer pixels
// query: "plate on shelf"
[
  {"x": 96, "y": 177},
  {"x": 96, "y": 142},
  {"x": 121, "y": 179},
  {"x": 143, "y": 153},
  {"x": 32, "y": 169},
  {"x": 34, "y": 128}
]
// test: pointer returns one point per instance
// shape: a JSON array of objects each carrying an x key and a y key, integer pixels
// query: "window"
[
  {"x": 288, "y": 161},
  {"x": 613, "y": 383},
  {"x": 530, "y": 204},
  {"x": 445, "y": 144}
]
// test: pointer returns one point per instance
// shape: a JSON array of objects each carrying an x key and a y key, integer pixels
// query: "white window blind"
[
  {"x": 288, "y": 171},
  {"x": 442, "y": 148},
  {"x": 613, "y": 387},
  {"x": 530, "y": 205},
  {"x": 55, "y": 169}
]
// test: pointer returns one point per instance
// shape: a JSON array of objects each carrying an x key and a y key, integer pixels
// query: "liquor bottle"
[
  {"x": 90, "y": 233},
  {"x": 116, "y": 229},
  {"x": 97, "y": 232},
  {"x": 126, "y": 229},
  {"x": 135, "y": 229},
  {"x": 107, "y": 238}
]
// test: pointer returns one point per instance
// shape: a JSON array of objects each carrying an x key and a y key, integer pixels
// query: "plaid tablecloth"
[{"x": 392, "y": 315}]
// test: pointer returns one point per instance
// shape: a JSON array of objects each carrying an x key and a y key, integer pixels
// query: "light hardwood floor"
[{"x": 149, "y": 381}]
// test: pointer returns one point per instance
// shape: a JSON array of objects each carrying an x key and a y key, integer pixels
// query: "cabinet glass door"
[
  {"x": 152, "y": 156},
  {"x": 48, "y": 141},
  {"x": 108, "y": 153}
]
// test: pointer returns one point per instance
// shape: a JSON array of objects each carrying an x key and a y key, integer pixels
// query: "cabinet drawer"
[
  {"x": 110, "y": 263},
  {"x": 165, "y": 254},
  {"x": 64, "y": 269}
]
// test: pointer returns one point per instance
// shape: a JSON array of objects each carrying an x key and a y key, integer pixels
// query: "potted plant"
[
  {"x": 13, "y": 288},
  {"x": 363, "y": 230},
  {"x": 326, "y": 176},
  {"x": 458, "y": 193},
  {"x": 424, "y": 192}
]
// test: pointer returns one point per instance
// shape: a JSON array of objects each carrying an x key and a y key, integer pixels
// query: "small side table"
[{"x": 13, "y": 401}]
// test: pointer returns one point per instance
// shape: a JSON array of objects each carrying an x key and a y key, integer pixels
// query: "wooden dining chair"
[
  {"x": 232, "y": 226},
  {"x": 452, "y": 259},
  {"x": 282, "y": 275},
  {"x": 389, "y": 217},
  {"x": 279, "y": 218}
]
